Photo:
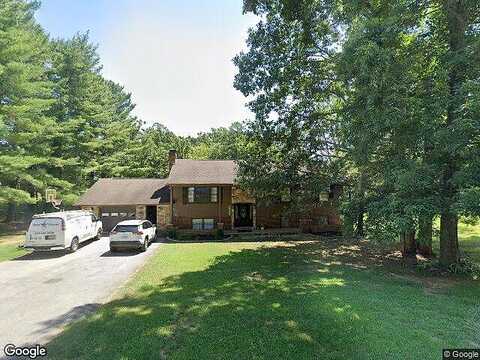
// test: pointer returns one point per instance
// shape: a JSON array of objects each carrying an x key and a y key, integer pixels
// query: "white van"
[{"x": 62, "y": 230}]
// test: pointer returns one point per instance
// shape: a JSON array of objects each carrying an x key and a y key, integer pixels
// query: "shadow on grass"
[
  {"x": 284, "y": 302},
  {"x": 249, "y": 302}
]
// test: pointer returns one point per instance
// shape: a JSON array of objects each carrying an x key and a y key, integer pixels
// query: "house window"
[
  {"x": 213, "y": 194},
  {"x": 324, "y": 196},
  {"x": 208, "y": 224},
  {"x": 201, "y": 194},
  {"x": 105, "y": 214},
  {"x": 191, "y": 194},
  {"x": 322, "y": 220},
  {"x": 197, "y": 224},
  {"x": 203, "y": 224}
]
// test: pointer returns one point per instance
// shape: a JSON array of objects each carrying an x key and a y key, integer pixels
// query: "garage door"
[{"x": 111, "y": 216}]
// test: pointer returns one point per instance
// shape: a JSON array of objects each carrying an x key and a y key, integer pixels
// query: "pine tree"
[
  {"x": 94, "y": 114},
  {"x": 26, "y": 129}
]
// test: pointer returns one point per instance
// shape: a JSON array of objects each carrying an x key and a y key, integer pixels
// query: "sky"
[{"x": 174, "y": 56}]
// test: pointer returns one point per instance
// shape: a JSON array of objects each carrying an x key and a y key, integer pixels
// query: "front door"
[
  {"x": 152, "y": 214},
  {"x": 243, "y": 215}
]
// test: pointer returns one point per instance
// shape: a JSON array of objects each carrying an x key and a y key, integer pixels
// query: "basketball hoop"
[{"x": 51, "y": 197}]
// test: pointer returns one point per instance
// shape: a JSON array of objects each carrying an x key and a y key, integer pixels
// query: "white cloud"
[{"x": 179, "y": 70}]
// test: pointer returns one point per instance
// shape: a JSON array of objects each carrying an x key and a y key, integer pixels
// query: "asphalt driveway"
[{"x": 42, "y": 292}]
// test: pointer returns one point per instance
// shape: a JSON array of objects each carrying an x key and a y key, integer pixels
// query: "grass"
[
  {"x": 9, "y": 243},
  {"x": 469, "y": 240},
  {"x": 301, "y": 300}
]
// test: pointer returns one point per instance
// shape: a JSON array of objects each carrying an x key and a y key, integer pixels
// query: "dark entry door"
[
  {"x": 243, "y": 215},
  {"x": 152, "y": 214}
]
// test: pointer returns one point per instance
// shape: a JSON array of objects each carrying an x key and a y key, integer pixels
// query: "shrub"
[
  {"x": 186, "y": 237},
  {"x": 219, "y": 234},
  {"x": 465, "y": 267},
  {"x": 172, "y": 233}
]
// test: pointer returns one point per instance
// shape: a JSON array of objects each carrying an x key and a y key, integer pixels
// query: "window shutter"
[{"x": 185, "y": 195}]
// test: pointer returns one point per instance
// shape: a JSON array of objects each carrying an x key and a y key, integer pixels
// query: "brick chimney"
[{"x": 172, "y": 156}]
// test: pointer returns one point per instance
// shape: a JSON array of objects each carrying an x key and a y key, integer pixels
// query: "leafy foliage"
[
  {"x": 383, "y": 93},
  {"x": 292, "y": 139}
]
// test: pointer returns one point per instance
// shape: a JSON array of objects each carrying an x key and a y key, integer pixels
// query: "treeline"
[
  {"x": 383, "y": 96},
  {"x": 63, "y": 125}
]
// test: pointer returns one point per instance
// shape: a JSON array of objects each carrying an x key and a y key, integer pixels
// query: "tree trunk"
[
  {"x": 456, "y": 15},
  {"x": 347, "y": 227},
  {"x": 425, "y": 235},
  {"x": 360, "y": 231},
  {"x": 11, "y": 212},
  {"x": 448, "y": 239},
  {"x": 409, "y": 246}
]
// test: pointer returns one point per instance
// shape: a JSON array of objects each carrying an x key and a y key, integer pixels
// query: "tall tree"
[
  {"x": 290, "y": 78},
  {"x": 220, "y": 143},
  {"x": 148, "y": 155},
  {"x": 26, "y": 129},
  {"x": 409, "y": 72},
  {"x": 94, "y": 114}
]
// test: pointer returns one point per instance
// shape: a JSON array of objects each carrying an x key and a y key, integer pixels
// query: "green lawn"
[
  {"x": 275, "y": 301},
  {"x": 9, "y": 246},
  {"x": 469, "y": 239}
]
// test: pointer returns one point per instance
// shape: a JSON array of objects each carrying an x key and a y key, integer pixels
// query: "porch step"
[{"x": 244, "y": 229}]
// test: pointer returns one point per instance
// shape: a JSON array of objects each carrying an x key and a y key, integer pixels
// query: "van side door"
[
  {"x": 93, "y": 225},
  {"x": 84, "y": 223}
]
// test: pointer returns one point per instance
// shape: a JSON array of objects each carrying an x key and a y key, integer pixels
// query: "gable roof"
[
  {"x": 203, "y": 172},
  {"x": 126, "y": 192}
]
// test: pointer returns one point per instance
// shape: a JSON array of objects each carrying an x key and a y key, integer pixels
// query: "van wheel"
[
  {"x": 145, "y": 245},
  {"x": 74, "y": 245}
]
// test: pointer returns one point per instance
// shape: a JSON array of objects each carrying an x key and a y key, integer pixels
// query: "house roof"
[
  {"x": 203, "y": 172},
  {"x": 121, "y": 191}
]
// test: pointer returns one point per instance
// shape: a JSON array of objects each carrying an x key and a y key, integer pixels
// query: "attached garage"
[
  {"x": 112, "y": 215},
  {"x": 115, "y": 200}
]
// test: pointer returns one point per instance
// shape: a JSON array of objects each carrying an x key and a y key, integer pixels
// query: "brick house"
[{"x": 202, "y": 195}]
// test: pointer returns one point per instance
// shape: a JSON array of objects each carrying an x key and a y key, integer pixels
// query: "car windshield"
[{"x": 126, "y": 228}]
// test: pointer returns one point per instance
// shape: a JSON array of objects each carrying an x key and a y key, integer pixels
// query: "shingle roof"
[
  {"x": 126, "y": 192},
  {"x": 203, "y": 172}
]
